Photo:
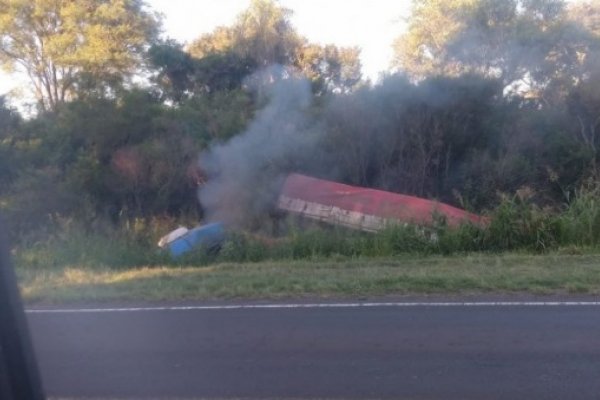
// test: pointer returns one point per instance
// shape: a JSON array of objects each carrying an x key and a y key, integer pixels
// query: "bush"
[
  {"x": 579, "y": 223},
  {"x": 516, "y": 224}
]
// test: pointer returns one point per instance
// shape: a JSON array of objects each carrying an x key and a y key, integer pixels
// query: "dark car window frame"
[{"x": 19, "y": 374}]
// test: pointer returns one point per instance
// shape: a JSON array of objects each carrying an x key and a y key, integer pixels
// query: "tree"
[
  {"x": 433, "y": 24},
  {"x": 587, "y": 14},
  {"x": 175, "y": 69},
  {"x": 263, "y": 35},
  {"x": 330, "y": 68},
  {"x": 411, "y": 138},
  {"x": 65, "y": 45},
  {"x": 532, "y": 46},
  {"x": 584, "y": 105},
  {"x": 10, "y": 122},
  {"x": 263, "y": 32},
  {"x": 181, "y": 76}
]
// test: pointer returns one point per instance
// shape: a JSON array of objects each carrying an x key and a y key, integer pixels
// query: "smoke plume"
[{"x": 245, "y": 173}]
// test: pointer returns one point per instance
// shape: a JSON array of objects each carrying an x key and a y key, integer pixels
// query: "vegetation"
[
  {"x": 491, "y": 105},
  {"x": 507, "y": 274},
  {"x": 70, "y": 48},
  {"x": 517, "y": 224}
]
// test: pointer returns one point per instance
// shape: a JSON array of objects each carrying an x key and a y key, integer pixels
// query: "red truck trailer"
[{"x": 361, "y": 208}]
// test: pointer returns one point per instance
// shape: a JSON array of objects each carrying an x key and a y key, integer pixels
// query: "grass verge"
[{"x": 539, "y": 274}]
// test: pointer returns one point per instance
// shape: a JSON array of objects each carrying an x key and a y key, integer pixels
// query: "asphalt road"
[{"x": 422, "y": 352}]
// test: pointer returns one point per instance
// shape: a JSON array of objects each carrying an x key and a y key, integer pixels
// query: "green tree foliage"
[
  {"x": 492, "y": 96},
  {"x": 413, "y": 139},
  {"x": 587, "y": 14},
  {"x": 263, "y": 32},
  {"x": 330, "y": 68},
  {"x": 66, "y": 46},
  {"x": 10, "y": 123},
  {"x": 142, "y": 160},
  {"x": 433, "y": 24},
  {"x": 584, "y": 104},
  {"x": 181, "y": 76},
  {"x": 111, "y": 159},
  {"x": 263, "y": 35},
  {"x": 175, "y": 69},
  {"x": 532, "y": 46}
]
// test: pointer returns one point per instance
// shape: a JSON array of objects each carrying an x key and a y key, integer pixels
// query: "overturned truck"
[
  {"x": 335, "y": 203},
  {"x": 365, "y": 209}
]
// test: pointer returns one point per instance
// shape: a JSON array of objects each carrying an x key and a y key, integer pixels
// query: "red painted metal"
[{"x": 391, "y": 206}]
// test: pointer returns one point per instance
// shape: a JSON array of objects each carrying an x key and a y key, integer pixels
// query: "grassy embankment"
[
  {"x": 542, "y": 274},
  {"x": 524, "y": 249}
]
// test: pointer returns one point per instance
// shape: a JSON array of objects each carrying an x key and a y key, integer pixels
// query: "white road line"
[{"x": 322, "y": 305}]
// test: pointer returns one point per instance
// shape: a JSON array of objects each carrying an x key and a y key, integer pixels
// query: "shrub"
[{"x": 516, "y": 224}]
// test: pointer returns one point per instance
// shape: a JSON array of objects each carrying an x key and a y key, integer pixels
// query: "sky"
[{"x": 371, "y": 25}]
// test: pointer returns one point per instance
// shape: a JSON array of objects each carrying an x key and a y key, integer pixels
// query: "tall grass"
[
  {"x": 69, "y": 243},
  {"x": 579, "y": 223},
  {"x": 516, "y": 224}
]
